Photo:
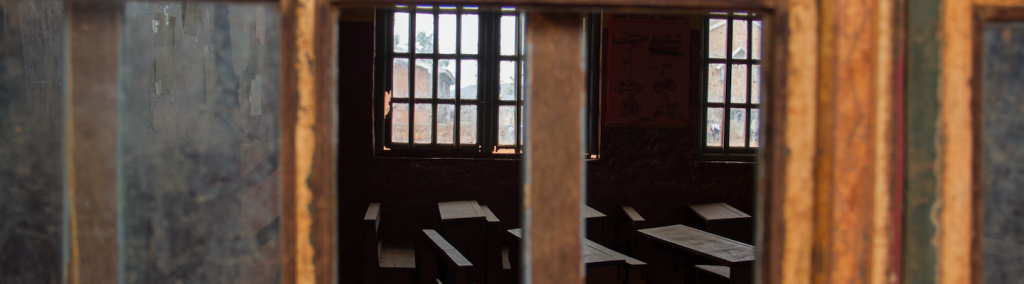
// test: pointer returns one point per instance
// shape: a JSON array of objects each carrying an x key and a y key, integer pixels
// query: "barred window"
[{"x": 732, "y": 86}]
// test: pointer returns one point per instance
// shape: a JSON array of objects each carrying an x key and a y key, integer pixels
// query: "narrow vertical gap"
[
  {"x": 458, "y": 79},
  {"x": 412, "y": 78},
  {"x": 727, "y": 85}
]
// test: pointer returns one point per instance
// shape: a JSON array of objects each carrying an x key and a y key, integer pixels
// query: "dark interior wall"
[{"x": 654, "y": 170}]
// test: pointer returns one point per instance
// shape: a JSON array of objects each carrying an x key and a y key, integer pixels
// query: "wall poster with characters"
[{"x": 647, "y": 70}]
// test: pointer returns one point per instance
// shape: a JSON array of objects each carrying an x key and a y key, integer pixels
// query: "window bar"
[
  {"x": 487, "y": 55},
  {"x": 705, "y": 96},
  {"x": 388, "y": 46},
  {"x": 458, "y": 79},
  {"x": 750, "y": 83},
  {"x": 412, "y": 78},
  {"x": 727, "y": 85},
  {"x": 437, "y": 76},
  {"x": 519, "y": 90}
]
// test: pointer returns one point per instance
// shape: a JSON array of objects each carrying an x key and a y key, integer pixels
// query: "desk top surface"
[
  {"x": 594, "y": 253},
  {"x": 717, "y": 211},
  {"x": 460, "y": 210},
  {"x": 592, "y": 213},
  {"x": 702, "y": 243}
]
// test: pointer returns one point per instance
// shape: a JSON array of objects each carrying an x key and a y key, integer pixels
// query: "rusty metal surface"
[{"x": 553, "y": 164}]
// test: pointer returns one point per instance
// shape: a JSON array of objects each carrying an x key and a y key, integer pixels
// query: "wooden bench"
[
  {"x": 384, "y": 263},
  {"x": 674, "y": 250},
  {"x": 497, "y": 261},
  {"x": 628, "y": 237},
  {"x": 723, "y": 220},
  {"x": 464, "y": 224},
  {"x": 456, "y": 269}
]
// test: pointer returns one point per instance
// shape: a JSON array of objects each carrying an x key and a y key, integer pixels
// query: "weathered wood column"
[
  {"x": 308, "y": 142},
  {"x": 94, "y": 41},
  {"x": 553, "y": 165}
]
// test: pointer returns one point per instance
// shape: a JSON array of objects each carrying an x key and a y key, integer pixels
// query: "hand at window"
[{"x": 387, "y": 103}]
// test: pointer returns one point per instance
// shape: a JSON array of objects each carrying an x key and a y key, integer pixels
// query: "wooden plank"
[
  {"x": 629, "y": 260},
  {"x": 957, "y": 232},
  {"x": 632, "y": 214},
  {"x": 460, "y": 210},
  {"x": 94, "y": 40},
  {"x": 452, "y": 255},
  {"x": 308, "y": 142},
  {"x": 553, "y": 166},
  {"x": 592, "y": 213},
  {"x": 723, "y": 250},
  {"x": 717, "y": 211},
  {"x": 489, "y": 215},
  {"x": 785, "y": 220},
  {"x": 633, "y": 5}
]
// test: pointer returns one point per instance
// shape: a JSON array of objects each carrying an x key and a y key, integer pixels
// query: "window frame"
[
  {"x": 725, "y": 153},
  {"x": 487, "y": 102},
  {"x": 488, "y": 62}
]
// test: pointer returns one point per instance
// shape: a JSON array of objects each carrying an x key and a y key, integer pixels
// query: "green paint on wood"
[{"x": 919, "y": 251}]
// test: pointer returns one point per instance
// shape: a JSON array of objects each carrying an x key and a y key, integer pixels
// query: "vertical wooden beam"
[
  {"x": 94, "y": 40},
  {"x": 308, "y": 155},
  {"x": 786, "y": 191},
  {"x": 829, "y": 178},
  {"x": 956, "y": 143},
  {"x": 553, "y": 161}
]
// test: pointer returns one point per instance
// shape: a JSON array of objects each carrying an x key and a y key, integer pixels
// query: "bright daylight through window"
[
  {"x": 732, "y": 89},
  {"x": 453, "y": 81}
]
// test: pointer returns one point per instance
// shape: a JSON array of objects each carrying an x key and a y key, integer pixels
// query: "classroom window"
[
  {"x": 732, "y": 86},
  {"x": 452, "y": 81}
]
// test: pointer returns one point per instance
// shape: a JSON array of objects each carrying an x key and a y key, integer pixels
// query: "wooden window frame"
[
  {"x": 488, "y": 59},
  {"x": 745, "y": 153}
]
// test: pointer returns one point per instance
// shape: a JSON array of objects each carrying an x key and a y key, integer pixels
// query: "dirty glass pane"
[
  {"x": 755, "y": 128},
  {"x": 446, "y": 79},
  {"x": 716, "y": 38},
  {"x": 506, "y": 125},
  {"x": 470, "y": 33},
  {"x": 445, "y": 124},
  {"x": 739, "y": 39},
  {"x": 737, "y": 129},
  {"x": 716, "y": 83},
  {"x": 424, "y": 78},
  {"x": 755, "y": 85},
  {"x": 467, "y": 125},
  {"x": 401, "y": 32},
  {"x": 32, "y": 133},
  {"x": 507, "y": 78},
  {"x": 400, "y": 123},
  {"x": 1002, "y": 150},
  {"x": 424, "y": 33},
  {"x": 738, "y": 84},
  {"x": 446, "y": 33},
  {"x": 714, "y": 125},
  {"x": 423, "y": 117},
  {"x": 198, "y": 143},
  {"x": 469, "y": 79},
  {"x": 508, "y": 35},
  {"x": 756, "y": 40},
  {"x": 400, "y": 78}
]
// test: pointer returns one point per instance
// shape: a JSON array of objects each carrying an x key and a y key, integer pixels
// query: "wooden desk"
[
  {"x": 460, "y": 210},
  {"x": 720, "y": 250},
  {"x": 723, "y": 220},
  {"x": 594, "y": 254},
  {"x": 597, "y": 226},
  {"x": 464, "y": 225}
]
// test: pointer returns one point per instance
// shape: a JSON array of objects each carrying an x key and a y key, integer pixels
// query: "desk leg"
[{"x": 741, "y": 274}]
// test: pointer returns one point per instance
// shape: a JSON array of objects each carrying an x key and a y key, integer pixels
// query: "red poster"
[{"x": 647, "y": 74}]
